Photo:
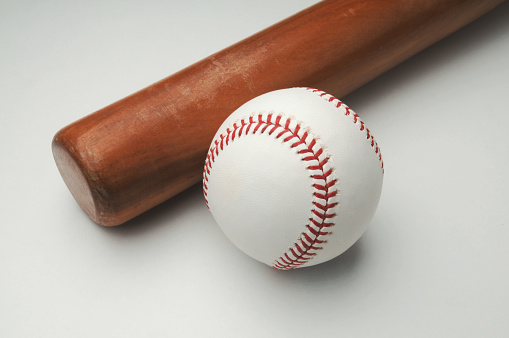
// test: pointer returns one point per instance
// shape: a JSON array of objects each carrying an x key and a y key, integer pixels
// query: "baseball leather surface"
[{"x": 293, "y": 177}]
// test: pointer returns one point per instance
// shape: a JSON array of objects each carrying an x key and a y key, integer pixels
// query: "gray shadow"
[{"x": 161, "y": 215}]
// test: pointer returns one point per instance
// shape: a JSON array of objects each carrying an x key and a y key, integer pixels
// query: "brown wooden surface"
[{"x": 138, "y": 152}]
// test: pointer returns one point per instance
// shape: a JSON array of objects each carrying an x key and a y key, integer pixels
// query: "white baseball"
[{"x": 293, "y": 177}]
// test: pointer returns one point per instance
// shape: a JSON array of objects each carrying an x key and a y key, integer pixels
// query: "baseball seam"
[
  {"x": 325, "y": 191},
  {"x": 355, "y": 119}
]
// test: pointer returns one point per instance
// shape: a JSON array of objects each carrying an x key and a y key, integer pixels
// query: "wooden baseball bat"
[{"x": 138, "y": 152}]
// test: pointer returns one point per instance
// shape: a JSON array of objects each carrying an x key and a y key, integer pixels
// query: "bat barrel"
[{"x": 138, "y": 152}]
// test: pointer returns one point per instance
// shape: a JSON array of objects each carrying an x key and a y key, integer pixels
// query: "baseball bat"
[{"x": 138, "y": 152}]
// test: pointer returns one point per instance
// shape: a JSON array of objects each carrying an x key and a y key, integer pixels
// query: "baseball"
[{"x": 293, "y": 177}]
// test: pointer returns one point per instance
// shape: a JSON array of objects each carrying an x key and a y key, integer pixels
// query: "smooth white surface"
[
  {"x": 263, "y": 193},
  {"x": 434, "y": 261}
]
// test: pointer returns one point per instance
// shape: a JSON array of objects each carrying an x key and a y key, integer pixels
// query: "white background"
[{"x": 434, "y": 261}]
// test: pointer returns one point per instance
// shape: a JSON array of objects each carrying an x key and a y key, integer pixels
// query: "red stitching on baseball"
[
  {"x": 356, "y": 119},
  {"x": 303, "y": 249},
  {"x": 322, "y": 213}
]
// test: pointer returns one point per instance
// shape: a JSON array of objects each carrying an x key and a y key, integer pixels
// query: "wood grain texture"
[{"x": 138, "y": 152}]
